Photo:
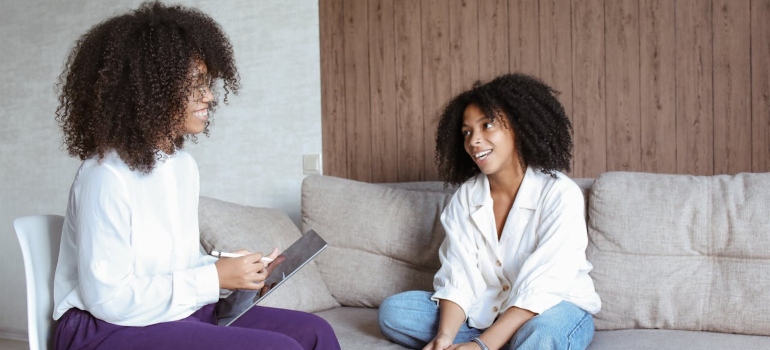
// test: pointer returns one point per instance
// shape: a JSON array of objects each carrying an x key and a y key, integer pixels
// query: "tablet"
[{"x": 296, "y": 256}]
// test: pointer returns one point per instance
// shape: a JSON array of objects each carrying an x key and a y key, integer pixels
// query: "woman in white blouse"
[
  {"x": 130, "y": 273},
  {"x": 513, "y": 269}
]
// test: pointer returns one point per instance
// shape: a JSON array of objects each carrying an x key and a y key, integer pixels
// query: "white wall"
[{"x": 254, "y": 154}]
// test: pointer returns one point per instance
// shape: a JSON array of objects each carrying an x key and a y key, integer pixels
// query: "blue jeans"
[{"x": 411, "y": 319}]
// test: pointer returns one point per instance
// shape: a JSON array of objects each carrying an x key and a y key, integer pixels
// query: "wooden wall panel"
[
  {"x": 665, "y": 86},
  {"x": 588, "y": 109},
  {"x": 382, "y": 89},
  {"x": 409, "y": 115},
  {"x": 694, "y": 88},
  {"x": 436, "y": 80},
  {"x": 334, "y": 140},
  {"x": 760, "y": 85},
  {"x": 493, "y": 38},
  {"x": 524, "y": 36},
  {"x": 357, "y": 111},
  {"x": 555, "y": 27},
  {"x": 463, "y": 44},
  {"x": 624, "y": 147},
  {"x": 732, "y": 86},
  {"x": 657, "y": 74}
]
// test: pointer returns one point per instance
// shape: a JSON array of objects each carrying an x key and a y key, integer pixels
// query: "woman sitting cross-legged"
[{"x": 513, "y": 270}]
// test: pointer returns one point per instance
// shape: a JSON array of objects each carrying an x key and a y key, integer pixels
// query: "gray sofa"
[{"x": 680, "y": 262}]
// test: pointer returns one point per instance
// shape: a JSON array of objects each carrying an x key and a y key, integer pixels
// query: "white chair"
[{"x": 39, "y": 237}]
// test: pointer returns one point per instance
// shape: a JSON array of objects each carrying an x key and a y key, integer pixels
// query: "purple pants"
[{"x": 259, "y": 328}]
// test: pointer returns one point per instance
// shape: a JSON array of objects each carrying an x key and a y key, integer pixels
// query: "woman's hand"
[
  {"x": 450, "y": 318},
  {"x": 246, "y": 272},
  {"x": 465, "y": 346},
  {"x": 440, "y": 342},
  {"x": 277, "y": 259}
]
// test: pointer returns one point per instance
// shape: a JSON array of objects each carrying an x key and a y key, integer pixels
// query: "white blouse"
[
  {"x": 538, "y": 261},
  {"x": 130, "y": 245}
]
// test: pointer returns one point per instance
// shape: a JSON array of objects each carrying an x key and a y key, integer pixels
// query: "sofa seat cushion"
[
  {"x": 382, "y": 240},
  {"x": 681, "y": 252},
  {"x": 357, "y": 328},
  {"x": 228, "y": 226},
  {"x": 645, "y": 339}
]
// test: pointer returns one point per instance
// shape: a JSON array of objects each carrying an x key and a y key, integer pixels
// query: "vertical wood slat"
[
  {"x": 694, "y": 88},
  {"x": 333, "y": 88},
  {"x": 760, "y": 85},
  {"x": 359, "y": 126},
  {"x": 555, "y": 28},
  {"x": 589, "y": 87},
  {"x": 382, "y": 90},
  {"x": 464, "y": 44},
  {"x": 409, "y": 116},
  {"x": 622, "y": 81},
  {"x": 732, "y": 82},
  {"x": 435, "y": 75},
  {"x": 493, "y": 39},
  {"x": 524, "y": 36},
  {"x": 657, "y": 86}
]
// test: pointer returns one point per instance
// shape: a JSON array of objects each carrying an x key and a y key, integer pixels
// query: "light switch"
[{"x": 311, "y": 164}]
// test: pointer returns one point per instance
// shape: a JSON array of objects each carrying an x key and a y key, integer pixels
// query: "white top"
[
  {"x": 538, "y": 262},
  {"x": 130, "y": 245}
]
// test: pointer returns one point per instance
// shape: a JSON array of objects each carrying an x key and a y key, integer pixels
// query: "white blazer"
[{"x": 538, "y": 261}]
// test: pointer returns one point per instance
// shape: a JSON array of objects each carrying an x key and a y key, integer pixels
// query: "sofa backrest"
[
  {"x": 228, "y": 226},
  {"x": 383, "y": 238},
  {"x": 681, "y": 252}
]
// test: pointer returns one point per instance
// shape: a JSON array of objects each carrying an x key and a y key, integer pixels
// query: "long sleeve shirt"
[
  {"x": 538, "y": 261},
  {"x": 130, "y": 251}
]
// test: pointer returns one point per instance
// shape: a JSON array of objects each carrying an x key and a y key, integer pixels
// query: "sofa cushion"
[
  {"x": 357, "y": 328},
  {"x": 659, "y": 339},
  {"x": 227, "y": 227},
  {"x": 681, "y": 252},
  {"x": 382, "y": 240}
]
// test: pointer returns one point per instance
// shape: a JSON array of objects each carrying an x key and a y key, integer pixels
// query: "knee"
[
  {"x": 539, "y": 333},
  {"x": 318, "y": 324},
  {"x": 390, "y": 306},
  {"x": 387, "y": 315},
  {"x": 319, "y": 334},
  {"x": 542, "y": 335},
  {"x": 391, "y": 314},
  {"x": 282, "y": 341}
]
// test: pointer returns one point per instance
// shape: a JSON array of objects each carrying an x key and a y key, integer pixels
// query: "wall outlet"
[{"x": 311, "y": 164}]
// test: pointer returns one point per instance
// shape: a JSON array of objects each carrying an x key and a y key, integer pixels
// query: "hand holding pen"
[{"x": 244, "y": 270}]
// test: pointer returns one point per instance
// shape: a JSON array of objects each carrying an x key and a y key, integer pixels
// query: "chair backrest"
[{"x": 39, "y": 237}]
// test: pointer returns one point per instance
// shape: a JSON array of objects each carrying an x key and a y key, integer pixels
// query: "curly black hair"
[
  {"x": 543, "y": 133},
  {"x": 126, "y": 82}
]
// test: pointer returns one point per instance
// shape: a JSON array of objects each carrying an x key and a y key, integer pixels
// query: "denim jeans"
[{"x": 411, "y": 319}]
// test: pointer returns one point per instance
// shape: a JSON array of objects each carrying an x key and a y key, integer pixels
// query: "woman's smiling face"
[
  {"x": 489, "y": 143},
  {"x": 197, "y": 111}
]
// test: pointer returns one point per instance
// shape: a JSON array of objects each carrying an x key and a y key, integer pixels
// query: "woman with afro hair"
[
  {"x": 513, "y": 274},
  {"x": 130, "y": 273}
]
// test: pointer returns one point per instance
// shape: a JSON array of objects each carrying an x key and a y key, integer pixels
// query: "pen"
[{"x": 220, "y": 255}]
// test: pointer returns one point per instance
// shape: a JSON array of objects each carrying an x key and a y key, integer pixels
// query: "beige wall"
[{"x": 254, "y": 155}]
